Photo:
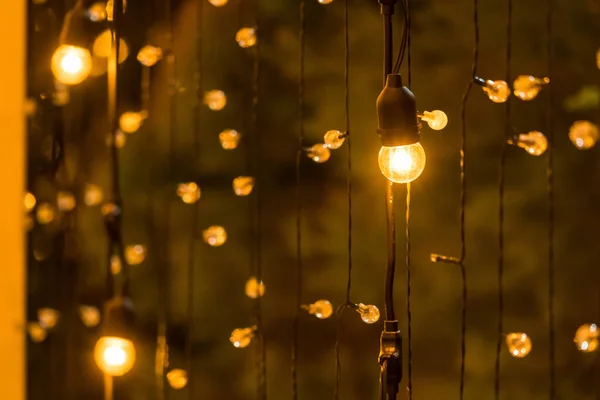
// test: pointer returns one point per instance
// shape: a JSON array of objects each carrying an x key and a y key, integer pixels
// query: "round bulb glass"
[
  {"x": 368, "y": 313},
  {"x": 519, "y": 344},
  {"x": 114, "y": 356},
  {"x": 334, "y": 139},
  {"x": 497, "y": 91},
  {"x": 586, "y": 338},
  {"x": 402, "y": 164},
  {"x": 584, "y": 134},
  {"x": 71, "y": 64},
  {"x": 436, "y": 119}
]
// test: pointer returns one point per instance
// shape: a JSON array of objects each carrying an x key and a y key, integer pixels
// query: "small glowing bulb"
[
  {"x": 44, "y": 213},
  {"x": 584, "y": 134},
  {"x": 246, "y": 37},
  {"x": 90, "y": 316},
  {"x": 103, "y": 44},
  {"x": 29, "y": 201},
  {"x": 321, "y": 309},
  {"x": 319, "y": 153},
  {"x": 497, "y": 91},
  {"x": 114, "y": 356},
  {"x": 115, "y": 265},
  {"x": 48, "y": 317},
  {"x": 135, "y": 254},
  {"x": 189, "y": 192},
  {"x": 436, "y": 119},
  {"x": 402, "y": 164},
  {"x": 229, "y": 139},
  {"x": 97, "y": 12},
  {"x": 120, "y": 139},
  {"x": 36, "y": 332},
  {"x": 325, "y": 1},
  {"x": 527, "y": 87},
  {"x": 519, "y": 344},
  {"x": 110, "y": 209},
  {"x": 215, "y": 235},
  {"x": 218, "y": 3},
  {"x": 255, "y": 288},
  {"x": 93, "y": 195},
  {"x": 215, "y": 99},
  {"x": 242, "y": 337},
  {"x": 130, "y": 121},
  {"x": 334, "y": 139},
  {"x": 65, "y": 201},
  {"x": 586, "y": 338},
  {"x": 243, "y": 185},
  {"x": 178, "y": 378},
  {"x": 149, "y": 55},
  {"x": 369, "y": 314},
  {"x": 534, "y": 142},
  {"x": 71, "y": 64}
]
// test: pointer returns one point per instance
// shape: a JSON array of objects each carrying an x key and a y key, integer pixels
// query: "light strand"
[{"x": 409, "y": 384}]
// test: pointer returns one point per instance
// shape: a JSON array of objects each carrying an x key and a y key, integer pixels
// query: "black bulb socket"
[
  {"x": 119, "y": 318},
  {"x": 390, "y": 355},
  {"x": 397, "y": 114}
]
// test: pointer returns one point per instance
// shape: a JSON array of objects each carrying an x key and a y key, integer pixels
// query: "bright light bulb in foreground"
[
  {"x": 402, "y": 164},
  {"x": 71, "y": 64},
  {"x": 519, "y": 344},
  {"x": 114, "y": 356}
]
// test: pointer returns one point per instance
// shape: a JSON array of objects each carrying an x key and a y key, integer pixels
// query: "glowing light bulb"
[
  {"x": 102, "y": 46},
  {"x": 119, "y": 139},
  {"x": 110, "y": 7},
  {"x": 29, "y": 201},
  {"x": 519, "y": 344},
  {"x": 319, "y": 153},
  {"x": 243, "y": 185},
  {"x": 229, "y": 139},
  {"x": 71, "y": 64},
  {"x": 321, "y": 309},
  {"x": 534, "y": 142},
  {"x": 90, "y": 316},
  {"x": 402, "y": 164},
  {"x": 115, "y": 265},
  {"x": 242, "y": 337},
  {"x": 97, "y": 12},
  {"x": 110, "y": 209},
  {"x": 178, "y": 378},
  {"x": 93, "y": 195},
  {"x": 334, "y": 139},
  {"x": 584, "y": 134},
  {"x": 369, "y": 314},
  {"x": 130, "y": 121},
  {"x": 44, "y": 213},
  {"x": 215, "y": 99},
  {"x": 586, "y": 338},
  {"x": 215, "y": 235},
  {"x": 114, "y": 356},
  {"x": 497, "y": 91},
  {"x": 436, "y": 119},
  {"x": 218, "y": 3},
  {"x": 65, "y": 201},
  {"x": 149, "y": 55},
  {"x": 36, "y": 332},
  {"x": 246, "y": 37},
  {"x": 189, "y": 192},
  {"x": 325, "y": 1},
  {"x": 48, "y": 317},
  {"x": 135, "y": 254},
  {"x": 527, "y": 87},
  {"x": 254, "y": 288}
]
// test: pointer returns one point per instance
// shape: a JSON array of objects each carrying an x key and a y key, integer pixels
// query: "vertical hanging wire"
[{"x": 550, "y": 188}]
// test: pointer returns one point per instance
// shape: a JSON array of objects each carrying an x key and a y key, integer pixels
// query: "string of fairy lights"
[{"x": 401, "y": 160}]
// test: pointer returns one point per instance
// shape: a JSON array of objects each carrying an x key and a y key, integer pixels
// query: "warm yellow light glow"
[
  {"x": 215, "y": 235},
  {"x": 497, "y": 91},
  {"x": 103, "y": 44},
  {"x": 321, "y": 309},
  {"x": 402, "y": 164},
  {"x": 177, "y": 378},
  {"x": 334, "y": 139},
  {"x": 534, "y": 142},
  {"x": 97, "y": 12},
  {"x": 130, "y": 121},
  {"x": 242, "y": 337},
  {"x": 584, "y": 134},
  {"x": 586, "y": 338},
  {"x": 135, "y": 254},
  {"x": 218, "y": 3},
  {"x": 90, "y": 316},
  {"x": 48, "y": 317},
  {"x": 325, "y": 1},
  {"x": 246, "y": 37},
  {"x": 93, "y": 195},
  {"x": 114, "y": 356},
  {"x": 368, "y": 313},
  {"x": 71, "y": 64},
  {"x": 36, "y": 332},
  {"x": 527, "y": 87},
  {"x": 229, "y": 139},
  {"x": 254, "y": 288},
  {"x": 215, "y": 99},
  {"x": 189, "y": 192},
  {"x": 65, "y": 201},
  {"x": 243, "y": 185},
  {"x": 519, "y": 344},
  {"x": 29, "y": 201},
  {"x": 44, "y": 213},
  {"x": 318, "y": 153},
  {"x": 436, "y": 119}
]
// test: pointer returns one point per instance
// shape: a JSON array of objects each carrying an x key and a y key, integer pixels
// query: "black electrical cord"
[{"x": 404, "y": 41}]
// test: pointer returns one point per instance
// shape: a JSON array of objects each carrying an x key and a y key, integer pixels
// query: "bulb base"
[{"x": 398, "y": 124}]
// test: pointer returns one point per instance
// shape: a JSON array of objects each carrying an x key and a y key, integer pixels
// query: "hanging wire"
[{"x": 409, "y": 385}]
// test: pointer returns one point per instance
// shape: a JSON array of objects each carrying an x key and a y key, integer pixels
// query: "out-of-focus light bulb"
[
  {"x": 519, "y": 344},
  {"x": 93, "y": 195},
  {"x": 119, "y": 138},
  {"x": 36, "y": 332},
  {"x": 110, "y": 5},
  {"x": 586, "y": 338},
  {"x": 319, "y": 153},
  {"x": 114, "y": 356},
  {"x": 110, "y": 209},
  {"x": 402, "y": 164},
  {"x": 321, "y": 309},
  {"x": 534, "y": 142},
  {"x": 527, "y": 87},
  {"x": 325, "y": 1},
  {"x": 44, "y": 213},
  {"x": 218, "y": 3},
  {"x": 130, "y": 121},
  {"x": 436, "y": 119},
  {"x": 242, "y": 337},
  {"x": 29, "y": 201},
  {"x": 115, "y": 265},
  {"x": 584, "y": 134},
  {"x": 97, "y": 12},
  {"x": 229, "y": 139},
  {"x": 65, "y": 201},
  {"x": 90, "y": 316},
  {"x": 243, "y": 185},
  {"x": 368, "y": 313},
  {"x": 254, "y": 288},
  {"x": 135, "y": 254},
  {"x": 48, "y": 317},
  {"x": 215, "y": 235},
  {"x": 246, "y": 37},
  {"x": 497, "y": 91},
  {"x": 71, "y": 64},
  {"x": 215, "y": 99},
  {"x": 149, "y": 55},
  {"x": 189, "y": 192},
  {"x": 178, "y": 378},
  {"x": 334, "y": 139},
  {"x": 103, "y": 44}
]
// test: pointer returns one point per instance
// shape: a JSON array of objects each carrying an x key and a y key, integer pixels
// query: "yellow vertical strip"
[{"x": 12, "y": 178}]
